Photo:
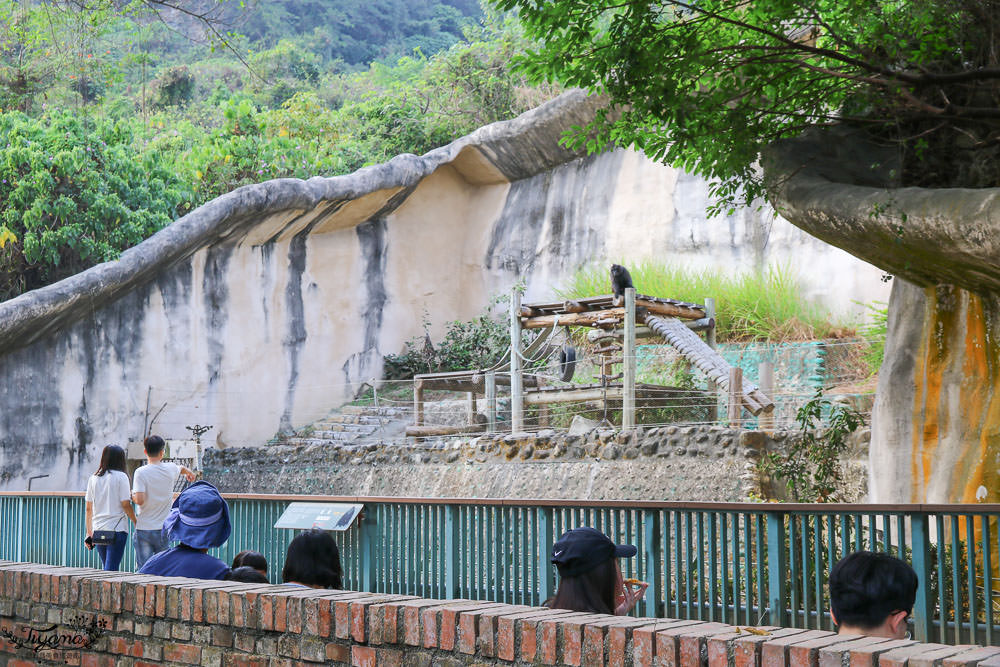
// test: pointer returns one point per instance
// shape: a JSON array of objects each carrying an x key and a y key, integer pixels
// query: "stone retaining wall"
[
  {"x": 55, "y": 615},
  {"x": 670, "y": 463}
]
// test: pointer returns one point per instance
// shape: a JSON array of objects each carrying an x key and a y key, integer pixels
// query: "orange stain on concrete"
[{"x": 956, "y": 342}]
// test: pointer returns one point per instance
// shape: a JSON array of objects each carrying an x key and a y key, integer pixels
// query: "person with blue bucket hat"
[{"x": 199, "y": 520}]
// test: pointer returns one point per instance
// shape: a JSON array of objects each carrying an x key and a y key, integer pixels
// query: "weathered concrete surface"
[
  {"x": 264, "y": 308},
  {"x": 936, "y": 422},
  {"x": 937, "y": 409},
  {"x": 668, "y": 463}
]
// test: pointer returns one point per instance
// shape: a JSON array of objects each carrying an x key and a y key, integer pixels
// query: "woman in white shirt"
[{"x": 109, "y": 507}]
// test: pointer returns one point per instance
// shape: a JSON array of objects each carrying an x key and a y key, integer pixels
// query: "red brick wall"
[{"x": 58, "y": 615}]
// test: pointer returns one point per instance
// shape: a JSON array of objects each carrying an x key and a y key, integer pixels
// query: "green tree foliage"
[
  {"x": 706, "y": 85},
  {"x": 74, "y": 193}
]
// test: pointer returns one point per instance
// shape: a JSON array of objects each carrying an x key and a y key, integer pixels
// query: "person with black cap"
[
  {"x": 199, "y": 520},
  {"x": 590, "y": 578}
]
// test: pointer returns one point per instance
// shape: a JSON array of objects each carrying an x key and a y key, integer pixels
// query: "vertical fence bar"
[
  {"x": 65, "y": 530},
  {"x": 712, "y": 566},
  {"x": 687, "y": 565},
  {"x": 923, "y": 607},
  {"x": 776, "y": 566},
  {"x": 651, "y": 555},
  {"x": 956, "y": 581},
  {"x": 970, "y": 564},
  {"x": 987, "y": 580},
  {"x": 943, "y": 627},
  {"x": 451, "y": 555},
  {"x": 19, "y": 546},
  {"x": 724, "y": 563},
  {"x": 369, "y": 536},
  {"x": 700, "y": 550},
  {"x": 544, "y": 541}
]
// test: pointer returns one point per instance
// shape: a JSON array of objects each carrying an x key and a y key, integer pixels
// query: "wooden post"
[
  {"x": 628, "y": 367},
  {"x": 472, "y": 408},
  {"x": 766, "y": 374},
  {"x": 735, "y": 396},
  {"x": 491, "y": 402},
  {"x": 418, "y": 402},
  {"x": 713, "y": 388},
  {"x": 516, "y": 386}
]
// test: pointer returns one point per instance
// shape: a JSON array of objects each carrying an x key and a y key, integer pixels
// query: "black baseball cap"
[{"x": 582, "y": 549}]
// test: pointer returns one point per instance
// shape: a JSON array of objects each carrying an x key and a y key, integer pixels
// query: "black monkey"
[{"x": 620, "y": 280}]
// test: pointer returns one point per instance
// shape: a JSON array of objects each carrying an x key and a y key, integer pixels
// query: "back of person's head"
[
  {"x": 592, "y": 591},
  {"x": 154, "y": 445},
  {"x": 112, "y": 458},
  {"x": 313, "y": 559},
  {"x": 253, "y": 559},
  {"x": 246, "y": 574},
  {"x": 588, "y": 572},
  {"x": 867, "y": 587}
]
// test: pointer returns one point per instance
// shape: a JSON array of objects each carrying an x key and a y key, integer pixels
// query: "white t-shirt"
[
  {"x": 107, "y": 493},
  {"x": 156, "y": 480}
]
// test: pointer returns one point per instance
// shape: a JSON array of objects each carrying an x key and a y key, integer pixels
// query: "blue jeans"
[
  {"x": 147, "y": 543},
  {"x": 111, "y": 554}
]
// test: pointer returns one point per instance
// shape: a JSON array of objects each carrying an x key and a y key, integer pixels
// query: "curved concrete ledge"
[
  {"x": 504, "y": 151},
  {"x": 841, "y": 188}
]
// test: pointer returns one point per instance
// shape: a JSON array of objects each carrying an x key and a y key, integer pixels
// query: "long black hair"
[
  {"x": 593, "y": 591},
  {"x": 112, "y": 458},
  {"x": 313, "y": 559}
]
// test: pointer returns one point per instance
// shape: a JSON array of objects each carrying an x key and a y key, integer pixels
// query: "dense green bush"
[{"x": 74, "y": 192}]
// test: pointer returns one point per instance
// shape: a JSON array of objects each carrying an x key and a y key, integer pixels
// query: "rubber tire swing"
[{"x": 567, "y": 362}]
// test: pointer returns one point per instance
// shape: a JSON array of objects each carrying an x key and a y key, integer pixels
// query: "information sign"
[{"x": 328, "y": 516}]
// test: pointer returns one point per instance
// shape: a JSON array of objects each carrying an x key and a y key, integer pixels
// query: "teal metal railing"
[{"x": 745, "y": 564}]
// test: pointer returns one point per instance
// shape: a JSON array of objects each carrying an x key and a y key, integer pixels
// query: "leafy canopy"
[
  {"x": 706, "y": 84},
  {"x": 74, "y": 193}
]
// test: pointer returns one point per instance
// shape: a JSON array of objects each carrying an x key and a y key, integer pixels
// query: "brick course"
[{"x": 142, "y": 621}]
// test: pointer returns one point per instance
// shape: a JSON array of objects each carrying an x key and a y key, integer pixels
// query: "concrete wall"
[
  {"x": 105, "y": 619},
  {"x": 670, "y": 463},
  {"x": 264, "y": 308}
]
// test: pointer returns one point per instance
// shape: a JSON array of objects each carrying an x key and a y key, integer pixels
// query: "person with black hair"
[
  {"x": 247, "y": 575},
  {"x": 313, "y": 561},
  {"x": 152, "y": 491},
  {"x": 252, "y": 559},
  {"x": 590, "y": 577},
  {"x": 109, "y": 507},
  {"x": 872, "y": 594}
]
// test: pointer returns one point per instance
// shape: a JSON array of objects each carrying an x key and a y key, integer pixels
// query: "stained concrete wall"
[{"x": 262, "y": 309}]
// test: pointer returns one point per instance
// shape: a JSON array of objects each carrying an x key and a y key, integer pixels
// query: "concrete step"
[
  {"x": 372, "y": 411},
  {"x": 353, "y": 419}
]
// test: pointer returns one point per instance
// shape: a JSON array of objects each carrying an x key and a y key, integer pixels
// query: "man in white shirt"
[{"x": 152, "y": 492}]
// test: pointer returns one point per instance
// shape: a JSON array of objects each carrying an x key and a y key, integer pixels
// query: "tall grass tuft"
[{"x": 749, "y": 305}]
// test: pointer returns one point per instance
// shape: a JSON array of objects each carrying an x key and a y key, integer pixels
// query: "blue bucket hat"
[{"x": 199, "y": 517}]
